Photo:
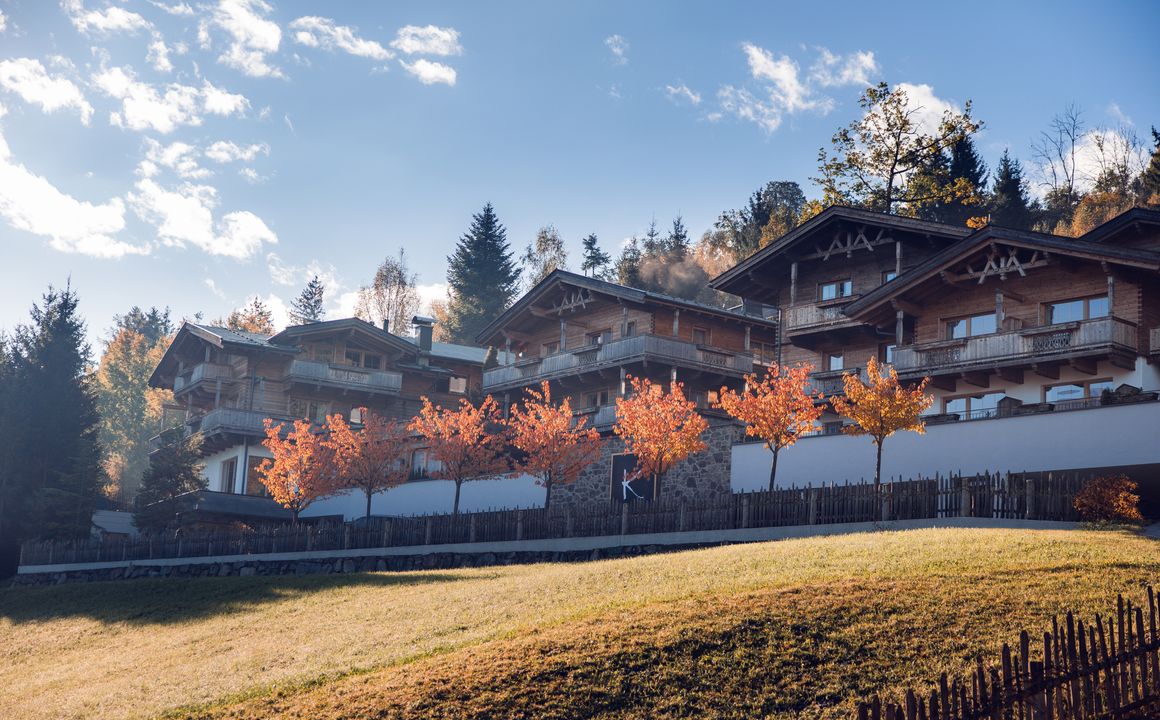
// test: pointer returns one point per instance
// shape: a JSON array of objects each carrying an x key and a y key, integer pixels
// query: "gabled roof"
[
  {"x": 346, "y": 324},
  {"x": 219, "y": 337},
  {"x": 623, "y": 292},
  {"x": 835, "y": 213},
  {"x": 964, "y": 248},
  {"x": 1126, "y": 220}
]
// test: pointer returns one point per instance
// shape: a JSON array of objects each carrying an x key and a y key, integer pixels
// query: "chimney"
[
  {"x": 426, "y": 327},
  {"x": 386, "y": 325}
]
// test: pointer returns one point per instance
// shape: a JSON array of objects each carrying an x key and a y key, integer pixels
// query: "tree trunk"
[
  {"x": 455, "y": 507},
  {"x": 773, "y": 469},
  {"x": 370, "y": 493},
  {"x": 547, "y": 495},
  {"x": 878, "y": 482}
]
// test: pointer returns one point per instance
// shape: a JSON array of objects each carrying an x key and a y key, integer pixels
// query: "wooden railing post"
[
  {"x": 745, "y": 511},
  {"x": 471, "y": 528},
  {"x": 965, "y": 496},
  {"x": 812, "y": 512},
  {"x": 519, "y": 525},
  {"x": 427, "y": 532},
  {"x": 1032, "y": 505},
  {"x": 624, "y": 519}
]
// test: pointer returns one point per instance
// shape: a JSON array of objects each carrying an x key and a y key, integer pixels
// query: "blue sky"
[{"x": 193, "y": 154}]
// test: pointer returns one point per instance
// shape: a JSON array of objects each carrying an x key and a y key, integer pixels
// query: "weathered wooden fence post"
[
  {"x": 386, "y": 533},
  {"x": 519, "y": 525},
  {"x": 745, "y": 511},
  {"x": 965, "y": 496},
  {"x": 624, "y": 519},
  {"x": 1032, "y": 505},
  {"x": 886, "y": 500},
  {"x": 427, "y": 532},
  {"x": 471, "y": 528},
  {"x": 812, "y": 506},
  {"x": 681, "y": 517}
]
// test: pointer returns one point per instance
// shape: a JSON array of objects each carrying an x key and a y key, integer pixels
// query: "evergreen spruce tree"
[
  {"x": 1150, "y": 178},
  {"x": 970, "y": 172},
  {"x": 307, "y": 307},
  {"x": 653, "y": 243},
  {"x": 54, "y": 424},
  {"x": 627, "y": 268},
  {"x": 596, "y": 261},
  {"x": 174, "y": 469},
  {"x": 1008, "y": 203},
  {"x": 677, "y": 243},
  {"x": 482, "y": 277}
]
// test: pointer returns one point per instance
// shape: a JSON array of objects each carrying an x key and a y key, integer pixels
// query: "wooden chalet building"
[
  {"x": 227, "y": 383},
  {"x": 1006, "y": 324}
]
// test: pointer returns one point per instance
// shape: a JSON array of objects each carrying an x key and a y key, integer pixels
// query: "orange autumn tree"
[
  {"x": 880, "y": 407},
  {"x": 372, "y": 459},
  {"x": 463, "y": 441},
  {"x": 777, "y": 409},
  {"x": 302, "y": 469},
  {"x": 661, "y": 429},
  {"x": 558, "y": 446}
]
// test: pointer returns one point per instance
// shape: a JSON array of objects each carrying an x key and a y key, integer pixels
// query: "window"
[
  {"x": 983, "y": 405},
  {"x": 308, "y": 409},
  {"x": 835, "y": 290},
  {"x": 229, "y": 472},
  {"x": 457, "y": 385},
  {"x": 358, "y": 358},
  {"x": 704, "y": 398},
  {"x": 599, "y": 337},
  {"x": 1074, "y": 310},
  {"x": 834, "y": 361},
  {"x": 372, "y": 362},
  {"x": 971, "y": 326},
  {"x": 423, "y": 464},
  {"x": 763, "y": 353},
  {"x": 254, "y": 485},
  {"x": 550, "y": 348},
  {"x": 886, "y": 353},
  {"x": 701, "y": 335},
  {"x": 595, "y": 399},
  {"x": 1078, "y": 390},
  {"x": 888, "y": 276},
  {"x": 356, "y": 415},
  {"x": 630, "y": 329},
  {"x": 324, "y": 352}
]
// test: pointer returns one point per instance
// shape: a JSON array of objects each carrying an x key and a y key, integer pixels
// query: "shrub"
[{"x": 1109, "y": 499}]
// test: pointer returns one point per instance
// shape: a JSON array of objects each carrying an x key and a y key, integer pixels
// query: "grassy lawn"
[{"x": 799, "y": 627}]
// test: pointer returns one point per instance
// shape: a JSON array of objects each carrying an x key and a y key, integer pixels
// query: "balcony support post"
[
  {"x": 899, "y": 326},
  {"x": 748, "y": 332},
  {"x": 507, "y": 348},
  {"x": 677, "y": 322},
  {"x": 1111, "y": 291},
  {"x": 897, "y": 258},
  {"x": 793, "y": 273},
  {"x": 999, "y": 309},
  {"x": 623, "y": 321},
  {"x": 622, "y": 381},
  {"x": 217, "y": 394},
  {"x": 563, "y": 333}
]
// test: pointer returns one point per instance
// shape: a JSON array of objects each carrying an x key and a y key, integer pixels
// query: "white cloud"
[
  {"x": 745, "y": 105},
  {"x": 928, "y": 108},
  {"x": 429, "y": 40},
  {"x": 279, "y": 311},
  {"x": 110, "y": 20},
  {"x": 618, "y": 46},
  {"x": 224, "y": 151},
  {"x": 213, "y": 288},
  {"x": 3, "y": 21},
  {"x": 295, "y": 275},
  {"x": 831, "y": 70},
  {"x": 319, "y": 32},
  {"x": 429, "y": 72},
  {"x": 682, "y": 93},
  {"x": 787, "y": 91},
  {"x": 144, "y": 108},
  {"x": 179, "y": 8},
  {"x": 429, "y": 294},
  {"x": 251, "y": 175},
  {"x": 280, "y": 272},
  {"x": 158, "y": 55},
  {"x": 253, "y": 37},
  {"x": 185, "y": 216},
  {"x": 27, "y": 78},
  {"x": 178, "y": 156},
  {"x": 30, "y": 202}
]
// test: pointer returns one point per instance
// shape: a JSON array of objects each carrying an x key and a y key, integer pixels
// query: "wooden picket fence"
[
  {"x": 1037, "y": 496},
  {"x": 1108, "y": 669}
]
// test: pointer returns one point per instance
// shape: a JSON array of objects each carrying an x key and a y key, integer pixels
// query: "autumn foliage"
[
  {"x": 1111, "y": 499},
  {"x": 661, "y": 429},
  {"x": 372, "y": 459},
  {"x": 303, "y": 468},
  {"x": 463, "y": 441},
  {"x": 881, "y": 406},
  {"x": 777, "y": 408},
  {"x": 558, "y": 446}
]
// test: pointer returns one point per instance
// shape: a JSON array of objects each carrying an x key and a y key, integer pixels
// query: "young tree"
[
  {"x": 1009, "y": 204},
  {"x": 392, "y": 296},
  {"x": 130, "y": 410},
  {"x": 1057, "y": 149},
  {"x": 558, "y": 447},
  {"x": 482, "y": 277},
  {"x": 303, "y": 468},
  {"x": 596, "y": 261},
  {"x": 654, "y": 242},
  {"x": 777, "y": 408},
  {"x": 966, "y": 168},
  {"x": 873, "y": 159},
  {"x": 543, "y": 255},
  {"x": 1149, "y": 184},
  {"x": 174, "y": 469},
  {"x": 770, "y": 212},
  {"x": 661, "y": 429},
  {"x": 463, "y": 441},
  {"x": 373, "y": 459},
  {"x": 881, "y": 407},
  {"x": 254, "y": 318},
  {"x": 308, "y": 306},
  {"x": 677, "y": 242},
  {"x": 627, "y": 269}
]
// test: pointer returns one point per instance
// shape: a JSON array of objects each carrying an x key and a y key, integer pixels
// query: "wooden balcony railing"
[
  {"x": 249, "y": 422},
  {"x": 652, "y": 347},
  {"x": 813, "y": 315},
  {"x": 831, "y": 382},
  {"x": 346, "y": 376},
  {"x": 200, "y": 373},
  {"x": 1042, "y": 343}
]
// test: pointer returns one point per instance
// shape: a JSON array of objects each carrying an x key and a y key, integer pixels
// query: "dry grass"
[{"x": 778, "y": 629}]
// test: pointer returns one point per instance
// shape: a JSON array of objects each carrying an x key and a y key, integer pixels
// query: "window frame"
[
  {"x": 949, "y": 321},
  {"x": 1086, "y": 300},
  {"x": 839, "y": 285},
  {"x": 828, "y": 356},
  {"x": 1085, "y": 384}
]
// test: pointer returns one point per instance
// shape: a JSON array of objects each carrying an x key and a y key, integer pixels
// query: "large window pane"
[
  {"x": 957, "y": 405},
  {"x": 1062, "y": 312},
  {"x": 956, "y": 329},
  {"x": 983, "y": 324},
  {"x": 1059, "y": 393},
  {"x": 1098, "y": 307}
]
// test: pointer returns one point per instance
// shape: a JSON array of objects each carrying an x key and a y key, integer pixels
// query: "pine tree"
[
  {"x": 1008, "y": 204},
  {"x": 677, "y": 243},
  {"x": 653, "y": 242},
  {"x": 482, "y": 277},
  {"x": 968, "y": 170},
  {"x": 1150, "y": 178},
  {"x": 595, "y": 261},
  {"x": 307, "y": 307},
  {"x": 53, "y": 416},
  {"x": 174, "y": 469},
  {"x": 628, "y": 264}
]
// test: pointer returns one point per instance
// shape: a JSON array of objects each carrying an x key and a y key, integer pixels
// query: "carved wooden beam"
[
  {"x": 1048, "y": 370},
  {"x": 978, "y": 378},
  {"x": 1010, "y": 374},
  {"x": 1087, "y": 366},
  {"x": 943, "y": 382},
  {"x": 911, "y": 309}
]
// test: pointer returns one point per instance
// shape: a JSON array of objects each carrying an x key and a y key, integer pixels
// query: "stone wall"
[{"x": 702, "y": 476}]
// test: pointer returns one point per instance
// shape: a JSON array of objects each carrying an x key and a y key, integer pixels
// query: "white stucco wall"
[
  {"x": 1098, "y": 437},
  {"x": 435, "y": 496},
  {"x": 212, "y": 466}
]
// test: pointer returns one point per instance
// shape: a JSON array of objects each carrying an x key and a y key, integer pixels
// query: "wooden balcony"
[
  {"x": 1109, "y": 336},
  {"x": 230, "y": 420},
  {"x": 816, "y": 317},
  {"x": 345, "y": 377},
  {"x": 654, "y": 348},
  {"x": 202, "y": 372},
  {"x": 831, "y": 382}
]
